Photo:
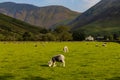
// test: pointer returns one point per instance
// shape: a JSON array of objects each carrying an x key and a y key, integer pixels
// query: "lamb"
[{"x": 57, "y": 58}]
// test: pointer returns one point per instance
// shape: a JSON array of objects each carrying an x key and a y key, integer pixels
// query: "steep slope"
[
  {"x": 39, "y": 16},
  {"x": 104, "y": 16},
  {"x": 11, "y": 28}
]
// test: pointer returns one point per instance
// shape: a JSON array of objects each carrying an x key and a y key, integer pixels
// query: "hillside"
[
  {"x": 103, "y": 17},
  {"x": 12, "y": 29},
  {"x": 39, "y": 16}
]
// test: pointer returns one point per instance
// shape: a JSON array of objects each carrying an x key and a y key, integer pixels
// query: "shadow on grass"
[
  {"x": 24, "y": 67},
  {"x": 6, "y": 76},
  {"x": 35, "y": 78},
  {"x": 44, "y": 65},
  {"x": 84, "y": 65},
  {"x": 114, "y": 78}
]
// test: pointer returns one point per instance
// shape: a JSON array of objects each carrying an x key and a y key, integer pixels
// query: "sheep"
[
  {"x": 97, "y": 45},
  {"x": 65, "y": 49},
  {"x": 57, "y": 58},
  {"x": 104, "y": 44}
]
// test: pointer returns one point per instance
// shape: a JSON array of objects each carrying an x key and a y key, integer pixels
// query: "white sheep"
[
  {"x": 104, "y": 44},
  {"x": 57, "y": 58},
  {"x": 65, "y": 49},
  {"x": 97, "y": 45}
]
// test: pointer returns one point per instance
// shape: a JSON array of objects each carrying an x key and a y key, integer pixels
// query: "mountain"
[
  {"x": 103, "y": 17},
  {"x": 39, "y": 16},
  {"x": 12, "y": 29}
]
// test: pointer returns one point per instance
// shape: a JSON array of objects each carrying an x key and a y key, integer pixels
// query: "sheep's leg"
[
  {"x": 63, "y": 63},
  {"x": 54, "y": 64}
]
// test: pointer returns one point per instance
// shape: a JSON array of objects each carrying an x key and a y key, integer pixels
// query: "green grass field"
[{"x": 84, "y": 61}]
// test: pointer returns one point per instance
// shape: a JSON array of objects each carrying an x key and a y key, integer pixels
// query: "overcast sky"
[{"x": 76, "y": 5}]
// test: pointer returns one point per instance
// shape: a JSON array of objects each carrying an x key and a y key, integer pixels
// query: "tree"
[
  {"x": 63, "y": 34},
  {"x": 51, "y": 37},
  {"x": 48, "y": 37},
  {"x": 61, "y": 29},
  {"x": 78, "y": 35},
  {"x": 111, "y": 37},
  {"x": 116, "y": 36},
  {"x": 44, "y": 31},
  {"x": 27, "y": 36},
  {"x": 2, "y": 37}
]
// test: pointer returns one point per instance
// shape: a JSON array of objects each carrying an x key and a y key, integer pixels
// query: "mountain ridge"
[
  {"x": 13, "y": 29},
  {"x": 39, "y": 16},
  {"x": 100, "y": 14}
]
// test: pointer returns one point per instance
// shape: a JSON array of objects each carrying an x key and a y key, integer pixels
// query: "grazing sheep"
[
  {"x": 97, "y": 45},
  {"x": 65, "y": 49},
  {"x": 104, "y": 44},
  {"x": 57, "y": 58}
]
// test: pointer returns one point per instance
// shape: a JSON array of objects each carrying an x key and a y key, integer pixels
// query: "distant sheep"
[
  {"x": 97, "y": 45},
  {"x": 57, "y": 58},
  {"x": 104, "y": 44},
  {"x": 65, "y": 49}
]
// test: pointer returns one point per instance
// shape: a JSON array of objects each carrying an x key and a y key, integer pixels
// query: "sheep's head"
[{"x": 50, "y": 63}]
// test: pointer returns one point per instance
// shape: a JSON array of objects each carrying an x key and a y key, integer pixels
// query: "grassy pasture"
[{"x": 85, "y": 61}]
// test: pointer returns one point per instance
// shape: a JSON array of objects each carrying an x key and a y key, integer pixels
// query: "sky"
[{"x": 75, "y": 5}]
